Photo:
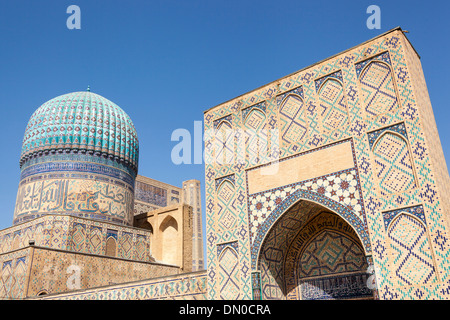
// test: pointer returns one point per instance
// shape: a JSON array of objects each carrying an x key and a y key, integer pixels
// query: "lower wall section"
[
  {"x": 14, "y": 271},
  {"x": 35, "y": 271},
  {"x": 188, "y": 286}
]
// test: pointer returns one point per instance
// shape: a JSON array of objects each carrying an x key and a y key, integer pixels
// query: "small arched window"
[{"x": 111, "y": 247}]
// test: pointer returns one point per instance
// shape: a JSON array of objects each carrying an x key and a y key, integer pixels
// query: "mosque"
[{"x": 329, "y": 183}]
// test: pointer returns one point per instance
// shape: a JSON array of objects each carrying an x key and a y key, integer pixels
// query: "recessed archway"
[
  {"x": 169, "y": 240},
  {"x": 312, "y": 253}
]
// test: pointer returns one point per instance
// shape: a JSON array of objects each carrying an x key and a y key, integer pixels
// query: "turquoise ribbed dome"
[{"x": 81, "y": 122}]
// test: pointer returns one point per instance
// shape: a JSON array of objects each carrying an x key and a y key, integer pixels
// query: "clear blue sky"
[{"x": 165, "y": 62}]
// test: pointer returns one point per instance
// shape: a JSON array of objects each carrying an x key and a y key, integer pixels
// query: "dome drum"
[{"x": 45, "y": 155}]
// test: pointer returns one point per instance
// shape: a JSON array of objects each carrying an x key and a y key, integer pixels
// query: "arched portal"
[
  {"x": 169, "y": 240},
  {"x": 312, "y": 253}
]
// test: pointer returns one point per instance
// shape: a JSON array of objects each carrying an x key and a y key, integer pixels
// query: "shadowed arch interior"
[{"x": 309, "y": 244}]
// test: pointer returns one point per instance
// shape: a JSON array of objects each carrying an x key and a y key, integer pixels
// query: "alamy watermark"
[
  {"x": 374, "y": 20},
  {"x": 74, "y": 20},
  {"x": 227, "y": 147}
]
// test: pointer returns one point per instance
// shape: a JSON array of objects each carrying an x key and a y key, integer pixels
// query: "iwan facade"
[
  {"x": 329, "y": 183},
  {"x": 344, "y": 189}
]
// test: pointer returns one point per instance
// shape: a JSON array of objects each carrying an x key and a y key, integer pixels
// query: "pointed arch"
[
  {"x": 169, "y": 240},
  {"x": 224, "y": 143},
  {"x": 410, "y": 251},
  {"x": 333, "y": 108},
  {"x": 307, "y": 246},
  {"x": 393, "y": 163},
  {"x": 228, "y": 278},
  {"x": 255, "y": 136},
  {"x": 379, "y": 94},
  {"x": 293, "y": 123},
  {"x": 291, "y": 201},
  {"x": 227, "y": 219}
]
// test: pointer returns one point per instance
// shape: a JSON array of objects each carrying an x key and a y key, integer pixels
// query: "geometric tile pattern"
[
  {"x": 225, "y": 196},
  {"x": 341, "y": 187},
  {"x": 333, "y": 107},
  {"x": 225, "y": 143},
  {"x": 321, "y": 247},
  {"x": 393, "y": 164},
  {"x": 228, "y": 272},
  {"x": 411, "y": 253},
  {"x": 84, "y": 121},
  {"x": 150, "y": 194},
  {"x": 255, "y": 135},
  {"x": 190, "y": 286},
  {"x": 69, "y": 233},
  {"x": 293, "y": 125},
  {"x": 309, "y": 243},
  {"x": 377, "y": 85},
  {"x": 416, "y": 211},
  {"x": 329, "y": 253},
  {"x": 51, "y": 268},
  {"x": 13, "y": 271}
]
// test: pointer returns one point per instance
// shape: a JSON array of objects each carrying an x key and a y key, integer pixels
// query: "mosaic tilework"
[
  {"x": 411, "y": 252},
  {"x": 332, "y": 105},
  {"x": 76, "y": 168},
  {"x": 50, "y": 270},
  {"x": 74, "y": 156},
  {"x": 188, "y": 286},
  {"x": 224, "y": 146},
  {"x": 229, "y": 278},
  {"x": 341, "y": 187},
  {"x": 150, "y": 194},
  {"x": 225, "y": 198},
  {"x": 13, "y": 271},
  {"x": 377, "y": 85},
  {"x": 82, "y": 121},
  {"x": 256, "y": 285},
  {"x": 286, "y": 257},
  {"x": 328, "y": 253},
  {"x": 393, "y": 164},
  {"x": 382, "y": 85},
  {"x": 339, "y": 191},
  {"x": 82, "y": 193},
  {"x": 78, "y": 235},
  {"x": 255, "y": 134},
  {"x": 416, "y": 211},
  {"x": 140, "y": 207},
  {"x": 293, "y": 125}
]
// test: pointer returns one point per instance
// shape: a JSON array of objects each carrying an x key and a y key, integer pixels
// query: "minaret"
[{"x": 192, "y": 197}]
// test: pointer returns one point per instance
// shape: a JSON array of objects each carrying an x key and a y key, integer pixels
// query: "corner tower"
[{"x": 79, "y": 157}]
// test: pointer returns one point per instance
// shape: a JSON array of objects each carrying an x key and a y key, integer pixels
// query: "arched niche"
[
  {"x": 111, "y": 247},
  {"x": 410, "y": 253},
  {"x": 393, "y": 164},
  {"x": 169, "y": 240},
  {"x": 308, "y": 246},
  {"x": 378, "y": 91},
  {"x": 333, "y": 107}
]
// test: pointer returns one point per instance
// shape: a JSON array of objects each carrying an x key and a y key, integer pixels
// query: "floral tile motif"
[{"x": 342, "y": 187}]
